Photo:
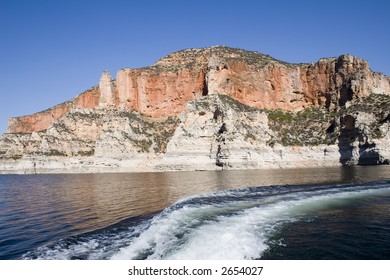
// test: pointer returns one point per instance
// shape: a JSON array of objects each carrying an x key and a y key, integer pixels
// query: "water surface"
[{"x": 169, "y": 215}]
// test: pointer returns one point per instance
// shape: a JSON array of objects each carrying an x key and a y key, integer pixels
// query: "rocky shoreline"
[
  {"x": 214, "y": 133},
  {"x": 244, "y": 114}
]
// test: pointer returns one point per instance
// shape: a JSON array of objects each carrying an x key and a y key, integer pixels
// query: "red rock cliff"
[
  {"x": 42, "y": 120},
  {"x": 254, "y": 79}
]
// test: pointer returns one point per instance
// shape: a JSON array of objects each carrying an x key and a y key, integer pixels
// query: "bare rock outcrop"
[
  {"x": 42, "y": 120},
  {"x": 211, "y": 109},
  {"x": 106, "y": 89},
  {"x": 254, "y": 79},
  {"x": 214, "y": 132}
]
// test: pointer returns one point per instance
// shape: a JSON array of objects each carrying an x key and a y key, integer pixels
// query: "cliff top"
[{"x": 201, "y": 56}]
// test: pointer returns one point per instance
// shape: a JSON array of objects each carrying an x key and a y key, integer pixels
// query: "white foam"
[
  {"x": 235, "y": 237},
  {"x": 181, "y": 234},
  {"x": 235, "y": 225}
]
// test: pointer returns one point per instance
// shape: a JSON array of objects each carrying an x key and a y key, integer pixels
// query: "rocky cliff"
[{"x": 212, "y": 108}]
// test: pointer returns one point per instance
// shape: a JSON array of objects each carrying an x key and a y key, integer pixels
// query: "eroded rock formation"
[
  {"x": 212, "y": 108},
  {"x": 254, "y": 79}
]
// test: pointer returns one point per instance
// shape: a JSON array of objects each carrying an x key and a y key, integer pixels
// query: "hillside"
[{"x": 209, "y": 109}]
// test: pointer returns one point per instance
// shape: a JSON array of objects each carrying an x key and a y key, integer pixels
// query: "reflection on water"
[{"x": 36, "y": 209}]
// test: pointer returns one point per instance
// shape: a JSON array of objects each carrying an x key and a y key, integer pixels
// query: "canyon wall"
[
  {"x": 211, "y": 109},
  {"x": 254, "y": 79},
  {"x": 42, "y": 120}
]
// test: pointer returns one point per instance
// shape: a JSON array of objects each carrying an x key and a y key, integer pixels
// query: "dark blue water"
[{"x": 331, "y": 213}]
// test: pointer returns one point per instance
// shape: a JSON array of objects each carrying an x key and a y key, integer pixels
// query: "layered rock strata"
[
  {"x": 254, "y": 79},
  {"x": 211, "y": 109}
]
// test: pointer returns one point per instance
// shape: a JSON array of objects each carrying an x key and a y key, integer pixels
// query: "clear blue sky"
[{"x": 50, "y": 51}]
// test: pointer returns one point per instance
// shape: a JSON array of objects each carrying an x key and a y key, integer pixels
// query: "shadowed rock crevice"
[
  {"x": 386, "y": 119},
  {"x": 347, "y": 141},
  {"x": 222, "y": 153},
  {"x": 205, "y": 89},
  {"x": 369, "y": 155},
  {"x": 346, "y": 94},
  {"x": 355, "y": 148},
  {"x": 218, "y": 160}
]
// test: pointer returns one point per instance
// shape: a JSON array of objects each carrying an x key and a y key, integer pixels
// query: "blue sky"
[{"x": 50, "y": 51}]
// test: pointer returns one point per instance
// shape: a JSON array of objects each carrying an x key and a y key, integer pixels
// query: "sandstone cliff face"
[
  {"x": 42, "y": 120},
  {"x": 211, "y": 109},
  {"x": 106, "y": 88},
  {"x": 256, "y": 80}
]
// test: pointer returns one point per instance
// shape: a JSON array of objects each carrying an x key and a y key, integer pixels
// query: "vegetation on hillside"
[{"x": 314, "y": 126}]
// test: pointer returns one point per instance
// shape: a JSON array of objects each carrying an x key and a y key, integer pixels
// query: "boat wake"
[{"x": 233, "y": 224}]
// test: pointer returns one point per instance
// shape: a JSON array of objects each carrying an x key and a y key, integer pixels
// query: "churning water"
[{"x": 332, "y": 213}]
